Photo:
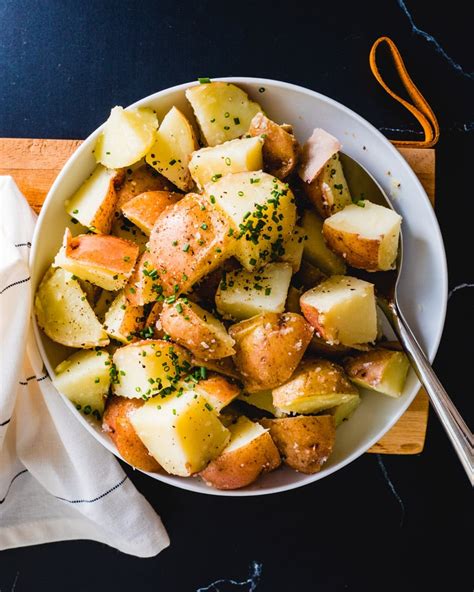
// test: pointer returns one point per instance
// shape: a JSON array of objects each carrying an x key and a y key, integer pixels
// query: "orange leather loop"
[{"x": 420, "y": 109}]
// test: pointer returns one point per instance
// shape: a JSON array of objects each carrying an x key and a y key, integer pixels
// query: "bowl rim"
[{"x": 188, "y": 484}]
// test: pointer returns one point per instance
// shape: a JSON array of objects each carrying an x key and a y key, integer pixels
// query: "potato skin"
[
  {"x": 138, "y": 180},
  {"x": 241, "y": 467},
  {"x": 280, "y": 149},
  {"x": 116, "y": 424},
  {"x": 196, "y": 329},
  {"x": 314, "y": 375},
  {"x": 145, "y": 208},
  {"x": 357, "y": 251},
  {"x": 305, "y": 442},
  {"x": 269, "y": 347},
  {"x": 183, "y": 256}
]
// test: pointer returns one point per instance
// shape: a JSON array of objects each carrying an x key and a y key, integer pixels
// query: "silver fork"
[{"x": 361, "y": 182}]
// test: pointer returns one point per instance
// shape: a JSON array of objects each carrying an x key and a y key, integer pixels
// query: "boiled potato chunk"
[
  {"x": 261, "y": 399},
  {"x": 381, "y": 370},
  {"x": 293, "y": 249},
  {"x": 122, "y": 320},
  {"x": 235, "y": 156},
  {"x": 64, "y": 314},
  {"x": 223, "y": 366},
  {"x": 217, "y": 390},
  {"x": 223, "y": 111},
  {"x": 316, "y": 385},
  {"x": 141, "y": 178},
  {"x": 242, "y": 294},
  {"x": 305, "y": 443},
  {"x": 147, "y": 368},
  {"x": 344, "y": 411},
  {"x": 366, "y": 235},
  {"x": 144, "y": 209},
  {"x": 317, "y": 150},
  {"x": 343, "y": 310},
  {"x": 126, "y": 230},
  {"x": 183, "y": 433},
  {"x": 103, "y": 260},
  {"x": 280, "y": 149},
  {"x": 116, "y": 423},
  {"x": 93, "y": 204},
  {"x": 189, "y": 240},
  {"x": 196, "y": 329},
  {"x": 315, "y": 249},
  {"x": 174, "y": 143},
  {"x": 84, "y": 378},
  {"x": 250, "y": 453},
  {"x": 262, "y": 211},
  {"x": 127, "y": 137},
  {"x": 143, "y": 285},
  {"x": 329, "y": 192},
  {"x": 269, "y": 347}
]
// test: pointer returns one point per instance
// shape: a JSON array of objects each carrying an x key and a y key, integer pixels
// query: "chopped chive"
[
  {"x": 204, "y": 80},
  {"x": 186, "y": 247},
  {"x": 236, "y": 120}
]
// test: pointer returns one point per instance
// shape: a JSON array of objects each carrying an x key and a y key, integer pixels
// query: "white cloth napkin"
[{"x": 56, "y": 481}]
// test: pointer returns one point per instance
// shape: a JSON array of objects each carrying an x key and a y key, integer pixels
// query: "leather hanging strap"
[{"x": 420, "y": 107}]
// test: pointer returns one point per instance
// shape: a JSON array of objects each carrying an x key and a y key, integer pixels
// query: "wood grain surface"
[{"x": 35, "y": 163}]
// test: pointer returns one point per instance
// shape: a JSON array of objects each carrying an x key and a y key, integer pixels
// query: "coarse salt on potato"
[
  {"x": 366, "y": 235},
  {"x": 105, "y": 261},
  {"x": 196, "y": 329},
  {"x": 342, "y": 309}
]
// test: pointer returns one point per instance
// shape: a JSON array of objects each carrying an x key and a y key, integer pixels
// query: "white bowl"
[{"x": 423, "y": 287}]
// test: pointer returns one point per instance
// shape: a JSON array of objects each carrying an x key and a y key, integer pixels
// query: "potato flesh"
[
  {"x": 182, "y": 433},
  {"x": 235, "y": 156},
  {"x": 84, "y": 378},
  {"x": 218, "y": 391},
  {"x": 344, "y": 411},
  {"x": 293, "y": 248},
  {"x": 245, "y": 294},
  {"x": 172, "y": 149},
  {"x": 242, "y": 433},
  {"x": 383, "y": 371},
  {"x": 122, "y": 320},
  {"x": 64, "y": 314},
  {"x": 316, "y": 385},
  {"x": 223, "y": 111},
  {"x": 93, "y": 204},
  {"x": 147, "y": 367},
  {"x": 103, "y": 260},
  {"x": 262, "y": 210},
  {"x": 261, "y": 399},
  {"x": 127, "y": 137},
  {"x": 126, "y": 230},
  {"x": 315, "y": 249},
  {"x": 367, "y": 235},
  {"x": 342, "y": 309},
  {"x": 329, "y": 192}
]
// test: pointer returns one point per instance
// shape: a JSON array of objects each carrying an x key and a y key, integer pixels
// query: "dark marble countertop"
[{"x": 382, "y": 523}]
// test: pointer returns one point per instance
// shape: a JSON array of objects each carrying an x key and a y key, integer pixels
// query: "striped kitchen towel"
[{"x": 56, "y": 481}]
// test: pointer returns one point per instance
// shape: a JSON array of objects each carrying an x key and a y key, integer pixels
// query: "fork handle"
[{"x": 458, "y": 432}]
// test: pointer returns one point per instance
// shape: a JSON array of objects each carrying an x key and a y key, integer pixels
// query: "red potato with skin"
[
  {"x": 280, "y": 149},
  {"x": 145, "y": 209},
  {"x": 196, "y": 329},
  {"x": 188, "y": 241},
  {"x": 105, "y": 261},
  {"x": 269, "y": 347},
  {"x": 316, "y": 152},
  {"x": 250, "y": 452},
  {"x": 116, "y": 424},
  {"x": 138, "y": 180},
  {"x": 217, "y": 390}
]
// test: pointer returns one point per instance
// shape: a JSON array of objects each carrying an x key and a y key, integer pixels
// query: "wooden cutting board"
[{"x": 34, "y": 164}]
